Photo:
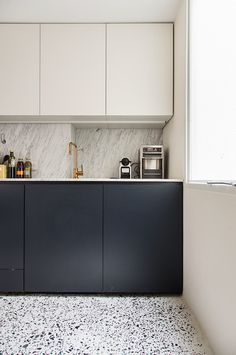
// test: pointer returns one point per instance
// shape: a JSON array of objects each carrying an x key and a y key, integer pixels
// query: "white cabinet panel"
[
  {"x": 19, "y": 69},
  {"x": 73, "y": 69},
  {"x": 140, "y": 69}
]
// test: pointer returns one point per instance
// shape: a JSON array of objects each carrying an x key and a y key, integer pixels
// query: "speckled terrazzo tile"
[{"x": 114, "y": 325}]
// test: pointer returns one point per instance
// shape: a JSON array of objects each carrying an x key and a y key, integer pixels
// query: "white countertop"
[{"x": 94, "y": 179}]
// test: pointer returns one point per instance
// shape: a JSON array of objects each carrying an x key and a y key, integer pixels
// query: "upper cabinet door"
[
  {"x": 73, "y": 69},
  {"x": 19, "y": 69},
  {"x": 140, "y": 69}
]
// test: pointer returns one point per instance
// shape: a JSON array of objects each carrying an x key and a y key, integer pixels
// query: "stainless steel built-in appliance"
[
  {"x": 125, "y": 169},
  {"x": 151, "y": 162}
]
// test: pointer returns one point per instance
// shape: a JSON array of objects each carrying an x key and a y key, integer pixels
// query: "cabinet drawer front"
[{"x": 11, "y": 281}]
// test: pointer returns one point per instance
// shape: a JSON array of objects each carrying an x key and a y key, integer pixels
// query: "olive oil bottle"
[{"x": 28, "y": 168}]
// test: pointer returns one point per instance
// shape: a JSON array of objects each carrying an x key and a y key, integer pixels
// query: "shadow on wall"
[{"x": 166, "y": 163}]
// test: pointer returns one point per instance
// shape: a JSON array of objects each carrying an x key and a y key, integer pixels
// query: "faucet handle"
[
  {"x": 81, "y": 171},
  {"x": 78, "y": 173}
]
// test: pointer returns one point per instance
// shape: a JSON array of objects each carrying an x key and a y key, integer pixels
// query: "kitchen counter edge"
[{"x": 84, "y": 180}]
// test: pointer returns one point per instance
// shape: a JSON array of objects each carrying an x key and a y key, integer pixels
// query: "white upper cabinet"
[
  {"x": 19, "y": 69},
  {"x": 82, "y": 70},
  {"x": 140, "y": 69},
  {"x": 73, "y": 69}
]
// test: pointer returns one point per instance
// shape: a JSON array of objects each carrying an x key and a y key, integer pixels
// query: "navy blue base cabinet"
[
  {"x": 63, "y": 238},
  {"x": 91, "y": 237},
  {"x": 11, "y": 237},
  {"x": 143, "y": 238}
]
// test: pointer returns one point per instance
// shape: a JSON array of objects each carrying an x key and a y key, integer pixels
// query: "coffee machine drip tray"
[{"x": 152, "y": 174}]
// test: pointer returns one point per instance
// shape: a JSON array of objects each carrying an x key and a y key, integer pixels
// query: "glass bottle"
[
  {"x": 20, "y": 169},
  {"x": 28, "y": 168},
  {"x": 11, "y": 171}
]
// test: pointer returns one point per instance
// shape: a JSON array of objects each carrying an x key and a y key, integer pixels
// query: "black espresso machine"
[
  {"x": 125, "y": 169},
  {"x": 151, "y": 162}
]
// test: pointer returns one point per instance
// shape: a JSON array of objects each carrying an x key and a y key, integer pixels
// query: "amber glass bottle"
[{"x": 20, "y": 169}]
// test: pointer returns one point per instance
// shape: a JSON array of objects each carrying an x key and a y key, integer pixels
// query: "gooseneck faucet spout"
[{"x": 76, "y": 172}]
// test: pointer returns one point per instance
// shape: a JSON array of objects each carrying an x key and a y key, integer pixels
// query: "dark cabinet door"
[
  {"x": 11, "y": 237},
  {"x": 11, "y": 226},
  {"x": 63, "y": 240},
  {"x": 143, "y": 229}
]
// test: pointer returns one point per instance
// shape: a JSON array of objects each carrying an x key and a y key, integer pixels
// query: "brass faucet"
[{"x": 76, "y": 172}]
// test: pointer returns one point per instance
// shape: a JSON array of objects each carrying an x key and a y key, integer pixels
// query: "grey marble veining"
[
  {"x": 48, "y": 147},
  {"x": 104, "y": 148},
  {"x": 98, "y": 325},
  {"x": 46, "y": 143}
]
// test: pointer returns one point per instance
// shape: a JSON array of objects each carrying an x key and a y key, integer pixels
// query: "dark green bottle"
[{"x": 11, "y": 171}]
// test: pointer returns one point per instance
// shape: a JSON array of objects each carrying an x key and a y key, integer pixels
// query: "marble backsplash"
[
  {"x": 48, "y": 147},
  {"x": 46, "y": 143},
  {"x": 104, "y": 148}
]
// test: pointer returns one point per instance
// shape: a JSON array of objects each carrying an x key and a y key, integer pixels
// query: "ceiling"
[{"x": 88, "y": 10}]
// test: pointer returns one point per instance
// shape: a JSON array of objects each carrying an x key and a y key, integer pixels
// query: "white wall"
[
  {"x": 210, "y": 264},
  {"x": 174, "y": 132},
  {"x": 209, "y": 240},
  {"x": 210, "y": 226}
]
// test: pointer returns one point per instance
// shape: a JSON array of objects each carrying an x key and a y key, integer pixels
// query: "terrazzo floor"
[{"x": 98, "y": 325}]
